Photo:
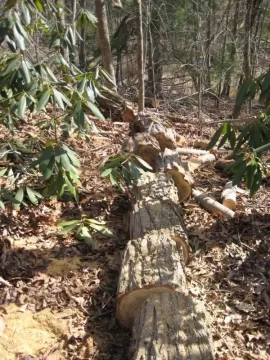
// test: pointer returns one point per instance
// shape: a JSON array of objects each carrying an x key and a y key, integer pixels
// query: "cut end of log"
[
  {"x": 181, "y": 240},
  {"x": 170, "y": 163},
  {"x": 230, "y": 204},
  {"x": 182, "y": 180},
  {"x": 211, "y": 205},
  {"x": 229, "y": 196},
  {"x": 180, "y": 141},
  {"x": 128, "y": 304}
]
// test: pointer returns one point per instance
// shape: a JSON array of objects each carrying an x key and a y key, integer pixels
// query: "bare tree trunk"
[
  {"x": 227, "y": 80},
  {"x": 104, "y": 40},
  {"x": 62, "y": 22},
  {"x": 246, "y": 52},
  {"x": 140, "y": 57},
  {"x": 208, "y": 46},
  {"x": 252, "y": 11},
  {"x": 223, "y": 52},
  {"x": 74, "y": 11},
  {"x": 154, "y": 84},
  {"x": 82, "y": 57}
]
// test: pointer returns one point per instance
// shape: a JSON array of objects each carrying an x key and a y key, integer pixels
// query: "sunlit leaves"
[
  {"x": 30, "y": 86},
  {"x": 59, "y": 164},
  {"x": 128, "y": 167},
  {"x": 85, "y": 18},
  {"x": 84, "y": 229},
  {"x": 248, "y": 143}
]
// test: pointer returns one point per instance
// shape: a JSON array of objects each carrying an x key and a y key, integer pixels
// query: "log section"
[
  {"x": 179, "y": 333},
  {"x": 151, "y": 265},
  {"x": 152, "y": 295},
  {"x": 154, "y": 260}
]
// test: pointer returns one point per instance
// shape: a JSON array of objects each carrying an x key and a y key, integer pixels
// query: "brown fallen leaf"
[{"x": 3, "y": 309}]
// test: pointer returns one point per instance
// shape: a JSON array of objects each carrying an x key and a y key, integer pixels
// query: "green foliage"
[
  {"x": 58, "y": 165},
  {"x": 248, "y": 143},
  {"x": 84, "y": 229},
  {"x": 250, "y": 87},
  {"x": 21, "y": 173},
  {"x": 127, "y": 167},
  {"x": 44, "y": 166}
]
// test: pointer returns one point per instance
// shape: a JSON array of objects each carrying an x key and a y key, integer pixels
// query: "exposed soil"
[{"x": 58, "y": 297}]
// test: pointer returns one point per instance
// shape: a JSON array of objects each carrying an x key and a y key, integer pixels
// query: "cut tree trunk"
[
  {"x": 152, "y": 292},
  {"x": 211, "y": 205},
  {"x": 196, "y": 163},
  {"x": 154, "y": 260},
  {"x": 180, "y": 333}
]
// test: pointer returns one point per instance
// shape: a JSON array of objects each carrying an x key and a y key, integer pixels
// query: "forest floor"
[{"x": 60, "y": 299}]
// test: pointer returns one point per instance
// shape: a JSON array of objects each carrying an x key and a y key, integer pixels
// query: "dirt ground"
[{"x": 58, "y": 296}]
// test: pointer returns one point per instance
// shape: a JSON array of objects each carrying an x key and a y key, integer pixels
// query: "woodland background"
[{"x": 70, "y": 72}]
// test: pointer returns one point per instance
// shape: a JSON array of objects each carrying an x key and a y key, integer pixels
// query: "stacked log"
[{"x": 153, "y": 298}]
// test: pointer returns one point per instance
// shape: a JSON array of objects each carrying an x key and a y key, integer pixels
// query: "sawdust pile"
[{"x": 33, "y": 333}]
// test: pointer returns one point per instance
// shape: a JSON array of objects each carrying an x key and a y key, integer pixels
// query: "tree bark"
[
  {"x": 154, "y": 85},
  {"x": 164, "y": 133},
  {"x": 232, "y": 51},
  {"x": 140, "y": 57},
  {"x": 104, "y": 41},
  {"x": 82, "y": 56},
  {"x": 180, "y": 333},
  {"x": 252, "y": 11},
  {"x": 152, "y": 296},
  {"x": 154, "y": 259},
  {"x": 72, "y": 55},
  {"x": 62, "y": 26}
]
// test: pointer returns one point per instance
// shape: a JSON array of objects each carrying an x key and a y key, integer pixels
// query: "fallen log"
[
  {"x": 211, "y": 205},
  {"x": 196, "y": 163},
  {"x": 152, "y": 289},
  {"x": 154, "y": 260},
  {"x": 229, "y": 196},
  {"x": 152, "y": 292},
  {"x": 181, "y": 332},
  {"x": 187, "y": 151}
]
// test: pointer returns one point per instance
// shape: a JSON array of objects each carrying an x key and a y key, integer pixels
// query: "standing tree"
[
  {"x": 140, "y": 57},
  {"x": 104, "y": 41}
]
